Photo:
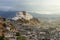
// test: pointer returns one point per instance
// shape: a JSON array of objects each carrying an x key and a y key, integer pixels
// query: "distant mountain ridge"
[
  {"x": 7, "y": 14},
  {"x": 10, "y": 14}
]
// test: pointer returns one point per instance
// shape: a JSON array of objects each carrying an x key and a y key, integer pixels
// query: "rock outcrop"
[
  {"x": 25, "y": 18},
  {"x": 22, "y": 15}
]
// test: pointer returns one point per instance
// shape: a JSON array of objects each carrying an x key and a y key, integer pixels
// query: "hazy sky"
[{"x": 40, "y": 6}]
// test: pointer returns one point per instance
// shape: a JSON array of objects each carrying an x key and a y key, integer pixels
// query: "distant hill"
[
  {"x": 10, "y": 14},
  {"x": 45, "y": 15},
  {"x": 7, "y": 14}
]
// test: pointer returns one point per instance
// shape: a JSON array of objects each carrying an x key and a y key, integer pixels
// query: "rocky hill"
[
  {"x": 13, "y": 25},
  {"x": 25, "y": 18}
]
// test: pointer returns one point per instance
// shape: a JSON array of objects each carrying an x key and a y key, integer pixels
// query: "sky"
[{"x": 38, "y": 6}]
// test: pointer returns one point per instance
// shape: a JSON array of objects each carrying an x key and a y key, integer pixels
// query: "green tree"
[
  {"x": 18, "y": 34},
  {"x": 19, "y": 37},
  {"x": 24, "y": 38},
  {"x": 2, "y": 37}
]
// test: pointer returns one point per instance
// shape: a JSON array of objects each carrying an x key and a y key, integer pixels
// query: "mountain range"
[{"x": 10, "y": 14}]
